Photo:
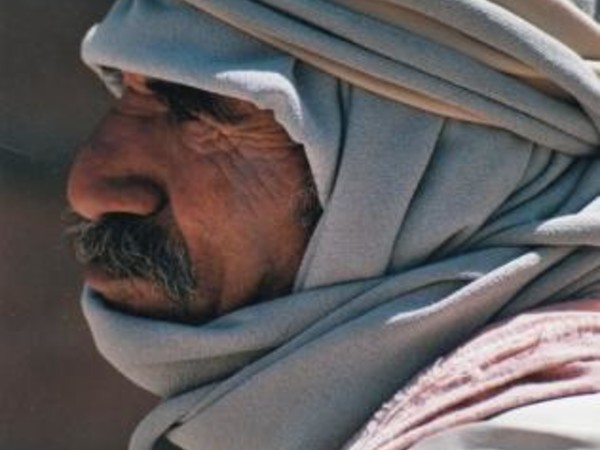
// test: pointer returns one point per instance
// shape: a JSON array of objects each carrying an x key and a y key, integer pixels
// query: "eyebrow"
[{"x": 187, "y": 103}]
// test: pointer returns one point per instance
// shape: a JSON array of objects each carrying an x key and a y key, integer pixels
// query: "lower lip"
[
  {"x": 94, "y": 277},
  {"x": 117, "y": 291},
  {"x": 132, "y": 295}
]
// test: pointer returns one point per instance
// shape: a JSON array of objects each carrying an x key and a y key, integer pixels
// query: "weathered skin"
[{"x": 229, "y": 191}]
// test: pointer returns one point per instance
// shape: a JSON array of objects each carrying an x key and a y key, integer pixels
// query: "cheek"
[
  {"x": 236, "y": 189},
  {"x": 229, "y": 177},
  {"x": 199, "y": 198},
  {"x": 211, "y": 201}
]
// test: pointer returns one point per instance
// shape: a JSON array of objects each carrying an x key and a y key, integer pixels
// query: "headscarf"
[{"x": 454, "y": 146}]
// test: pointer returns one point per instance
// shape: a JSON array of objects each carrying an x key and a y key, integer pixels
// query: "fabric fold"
[
  {"x": 435, "y": 222},
  {"x": 541, "y": 355},
  {"x": 451, "y": 77}
]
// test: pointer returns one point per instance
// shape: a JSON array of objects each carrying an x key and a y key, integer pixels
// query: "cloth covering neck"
[{"x": 434, "y": 224}]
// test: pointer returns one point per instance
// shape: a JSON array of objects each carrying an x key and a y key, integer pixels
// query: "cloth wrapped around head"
[{"x": 454, "y": 146}]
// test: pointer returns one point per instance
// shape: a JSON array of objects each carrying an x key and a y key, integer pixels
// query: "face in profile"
[{"x": 189, "y": 204}]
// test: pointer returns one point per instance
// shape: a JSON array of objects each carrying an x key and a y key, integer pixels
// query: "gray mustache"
[{"x": 127, "y": 246}]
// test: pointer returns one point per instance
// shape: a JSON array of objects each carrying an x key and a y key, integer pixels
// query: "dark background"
[{"x": 55, "y": 391}]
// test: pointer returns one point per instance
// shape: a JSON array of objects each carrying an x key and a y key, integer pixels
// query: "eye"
[
  {"x": 133, "y": 103},
  {"x": 187, "y": 103}
]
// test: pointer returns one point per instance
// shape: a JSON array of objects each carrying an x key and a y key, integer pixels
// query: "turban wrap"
[{"x": 454, "y": 146}]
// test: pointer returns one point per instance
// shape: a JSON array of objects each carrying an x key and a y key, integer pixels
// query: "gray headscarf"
[{"x": 458, "y": 187}]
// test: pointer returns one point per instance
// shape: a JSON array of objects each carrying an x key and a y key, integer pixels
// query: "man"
[
  {"x": 163, "y": 152},
  {"x": 296, "y": 207}
]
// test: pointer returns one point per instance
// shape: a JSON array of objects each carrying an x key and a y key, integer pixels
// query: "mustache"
[{"x": 127, "y": 246}]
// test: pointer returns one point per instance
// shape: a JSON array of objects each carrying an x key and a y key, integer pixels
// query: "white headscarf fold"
[{"x": 432, "y": 226}]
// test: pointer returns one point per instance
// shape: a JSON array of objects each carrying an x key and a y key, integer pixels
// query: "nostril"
[{"x": 93, "y": 198}]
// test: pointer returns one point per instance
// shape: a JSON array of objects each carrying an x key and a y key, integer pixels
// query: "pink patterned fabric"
[{"x": 540, "y": 355}]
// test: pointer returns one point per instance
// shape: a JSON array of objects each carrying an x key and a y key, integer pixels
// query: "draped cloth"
[
  {"x": 542, "y": 355},
  {"x": 454, "y": 146}
]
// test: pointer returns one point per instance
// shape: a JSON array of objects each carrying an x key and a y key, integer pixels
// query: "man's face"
[{"x": 194, "y": 204}]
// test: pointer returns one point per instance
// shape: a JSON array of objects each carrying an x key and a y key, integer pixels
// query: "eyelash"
[{"x": 186, "y": 103}]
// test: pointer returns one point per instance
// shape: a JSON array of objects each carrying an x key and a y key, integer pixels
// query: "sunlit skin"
[{"x": 229, "y": 191}]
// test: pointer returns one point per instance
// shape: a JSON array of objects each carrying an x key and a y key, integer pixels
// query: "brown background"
[{"x": 55, "y": 391}]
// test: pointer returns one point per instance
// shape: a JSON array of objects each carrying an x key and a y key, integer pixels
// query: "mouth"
[
  {"x": 142, "y": 297},
  {"x": 133, "y": 295}
]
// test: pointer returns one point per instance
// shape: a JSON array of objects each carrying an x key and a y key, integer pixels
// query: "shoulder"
[
  {"x": 530, "y": 378},
  {"x": 570, "y": 423}
]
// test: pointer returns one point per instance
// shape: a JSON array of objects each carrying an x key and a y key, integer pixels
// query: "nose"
[{"x": 113, "y": 174}]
